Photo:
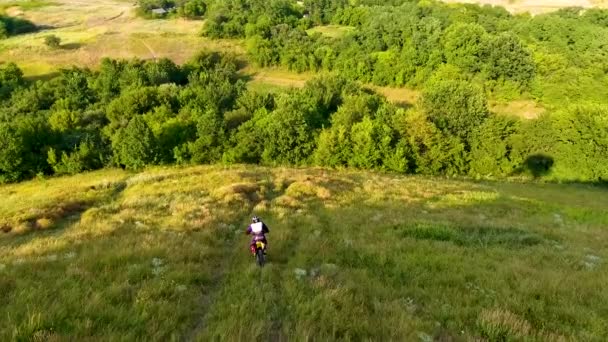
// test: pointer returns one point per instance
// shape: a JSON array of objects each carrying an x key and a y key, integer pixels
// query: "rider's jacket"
[{"x": 258, "y": 230}]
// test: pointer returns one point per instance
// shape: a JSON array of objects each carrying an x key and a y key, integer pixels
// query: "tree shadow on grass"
[
  {"x": 43, "y": 77},
  {"x": 71, "y": 46},
  {"x": 538, "y": 165}
]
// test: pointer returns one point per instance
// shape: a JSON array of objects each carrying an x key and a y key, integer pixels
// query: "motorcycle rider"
[{"x": 258, "y": 229}]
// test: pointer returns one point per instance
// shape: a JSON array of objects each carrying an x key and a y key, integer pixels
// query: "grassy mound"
[{"x": 161, "y": 255}]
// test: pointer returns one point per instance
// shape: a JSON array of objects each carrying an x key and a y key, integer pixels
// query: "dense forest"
[
  {"x": 555, "y": 58},
  {"x": 137, "y": 113}
]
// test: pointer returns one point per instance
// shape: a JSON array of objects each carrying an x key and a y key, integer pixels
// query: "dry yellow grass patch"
[
  {"x": 276, "y": 77},
  {"x": 503, "y": 324},
  {"x": 245, "y": 193},
  {"x": 332, "y": 31},
  {"x": 402, "y": 96},
  {"x": 92, "y": 30},
  {"x": 534, "y": 6},
  {"x": 43, "y": 223},
  {"x": 307, "y": 189},
  {"x": 525, "y": 109}
]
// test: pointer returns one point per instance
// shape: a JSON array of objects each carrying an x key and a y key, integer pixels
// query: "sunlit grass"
[
  {"x": 25, "y": 5},
  {"x": 161, "y": 255},
  {"x": 90, "y": 31},
  {"x": 333, "y": 31}
]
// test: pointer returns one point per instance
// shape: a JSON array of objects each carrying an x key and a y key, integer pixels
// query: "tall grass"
[{"x": 161, "y": 255}]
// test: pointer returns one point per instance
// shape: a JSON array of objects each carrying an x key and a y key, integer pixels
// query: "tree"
[
  {"x": 507, "y": 58},
  {"x": 289, "y": 136},
  {"x": 52, "y": 41},
  {"x": 581, "y": 143},
  {"x": 465, "y": 46},
  {"x": 86, "y": 156},
  {"x": 455, "y": 107},
  {"x": 433, "y": 152},
  {"x": 134, "y": 146},
  {"x": 131, "y": 103},
  {"x": 11, "y": 153},
  {"x": 3, "y": 30},
  {"x": 333, "y": 147},
  {"x": 11, "y": 78},
  {"x": 365, "y": 138},
  {"x": 193, "y": 9},
  {"x": 208, "y": 147},
  {"x": 491, "y": 147}
]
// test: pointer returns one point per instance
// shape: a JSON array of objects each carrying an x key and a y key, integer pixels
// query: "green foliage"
[
  {"x": 508, "y": 59},
  {"x": 455, "y": 107},
  {"x": 146, "y": 7},
  {"x": 134, "y": 146},
  {"x": 465, "y": 46},
  {"x": 52, "y": 41},
  {"x": 137, "y": 113},
  {"x": 433, "y": 152},
  {"x": 581, "y": 148},
  {"x": 491, "y": 147},
  {"x": 3, "y": 30},
  {"x": 210, "y": 132},
  {"x": 322, "y": 11},
  {"x": 87, "y": 156},
  {"x": 289, "y": 134},
  {"x": 11, "y": 151},
  {"x": 11, "y": 78},
  {"x": 192, "y": 9}
]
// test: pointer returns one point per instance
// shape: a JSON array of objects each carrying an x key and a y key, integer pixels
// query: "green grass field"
[{"x": 161, "y": 255}]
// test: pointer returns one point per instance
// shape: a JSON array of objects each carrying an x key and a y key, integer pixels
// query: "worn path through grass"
[{"x": 161, "y": 255}]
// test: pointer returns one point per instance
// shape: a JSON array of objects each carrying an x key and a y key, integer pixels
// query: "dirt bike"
[{"x": 258, "y": 250}]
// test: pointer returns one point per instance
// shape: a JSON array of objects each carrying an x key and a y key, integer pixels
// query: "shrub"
[
  {"x": 52, "y": 41},
  {"x": 3, "y": 30},
  {"x": 11, "y": 150},
  {"x": 11, "y": 78},
  {"x": 456, "y": 107},
  {"x": 491, "y": 147},
  {"x": 134, "y": 146}
]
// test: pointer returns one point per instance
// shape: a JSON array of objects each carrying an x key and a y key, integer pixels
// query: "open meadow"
[
  {"x": 535, "y": 6},
  {"x": 161, "y": 255},
  {"x": 92, "y": 30},
  {"x": 428, "y": 171}
]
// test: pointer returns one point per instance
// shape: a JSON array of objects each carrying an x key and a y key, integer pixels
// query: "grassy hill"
[{"x": 161, "y": 255}]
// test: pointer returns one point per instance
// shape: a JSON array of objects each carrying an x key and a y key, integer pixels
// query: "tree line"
[
  {"x": 556, "y": 58},
  {"x": 137, "y": 113}
]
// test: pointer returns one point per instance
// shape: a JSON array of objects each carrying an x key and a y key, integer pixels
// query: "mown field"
[
  {"x": 535, "y": 6},
  {"x": 92, "y": 30},
  {"x": 161, "y": 255}
]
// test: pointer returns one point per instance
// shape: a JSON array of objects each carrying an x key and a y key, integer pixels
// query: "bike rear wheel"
[{"x": 259, "y": 257}]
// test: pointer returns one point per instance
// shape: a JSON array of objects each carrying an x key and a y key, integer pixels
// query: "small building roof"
[{"x": 159, "y": 11}]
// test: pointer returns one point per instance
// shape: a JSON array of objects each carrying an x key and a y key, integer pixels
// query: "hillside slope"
[{"x": 161, "y": 255}]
